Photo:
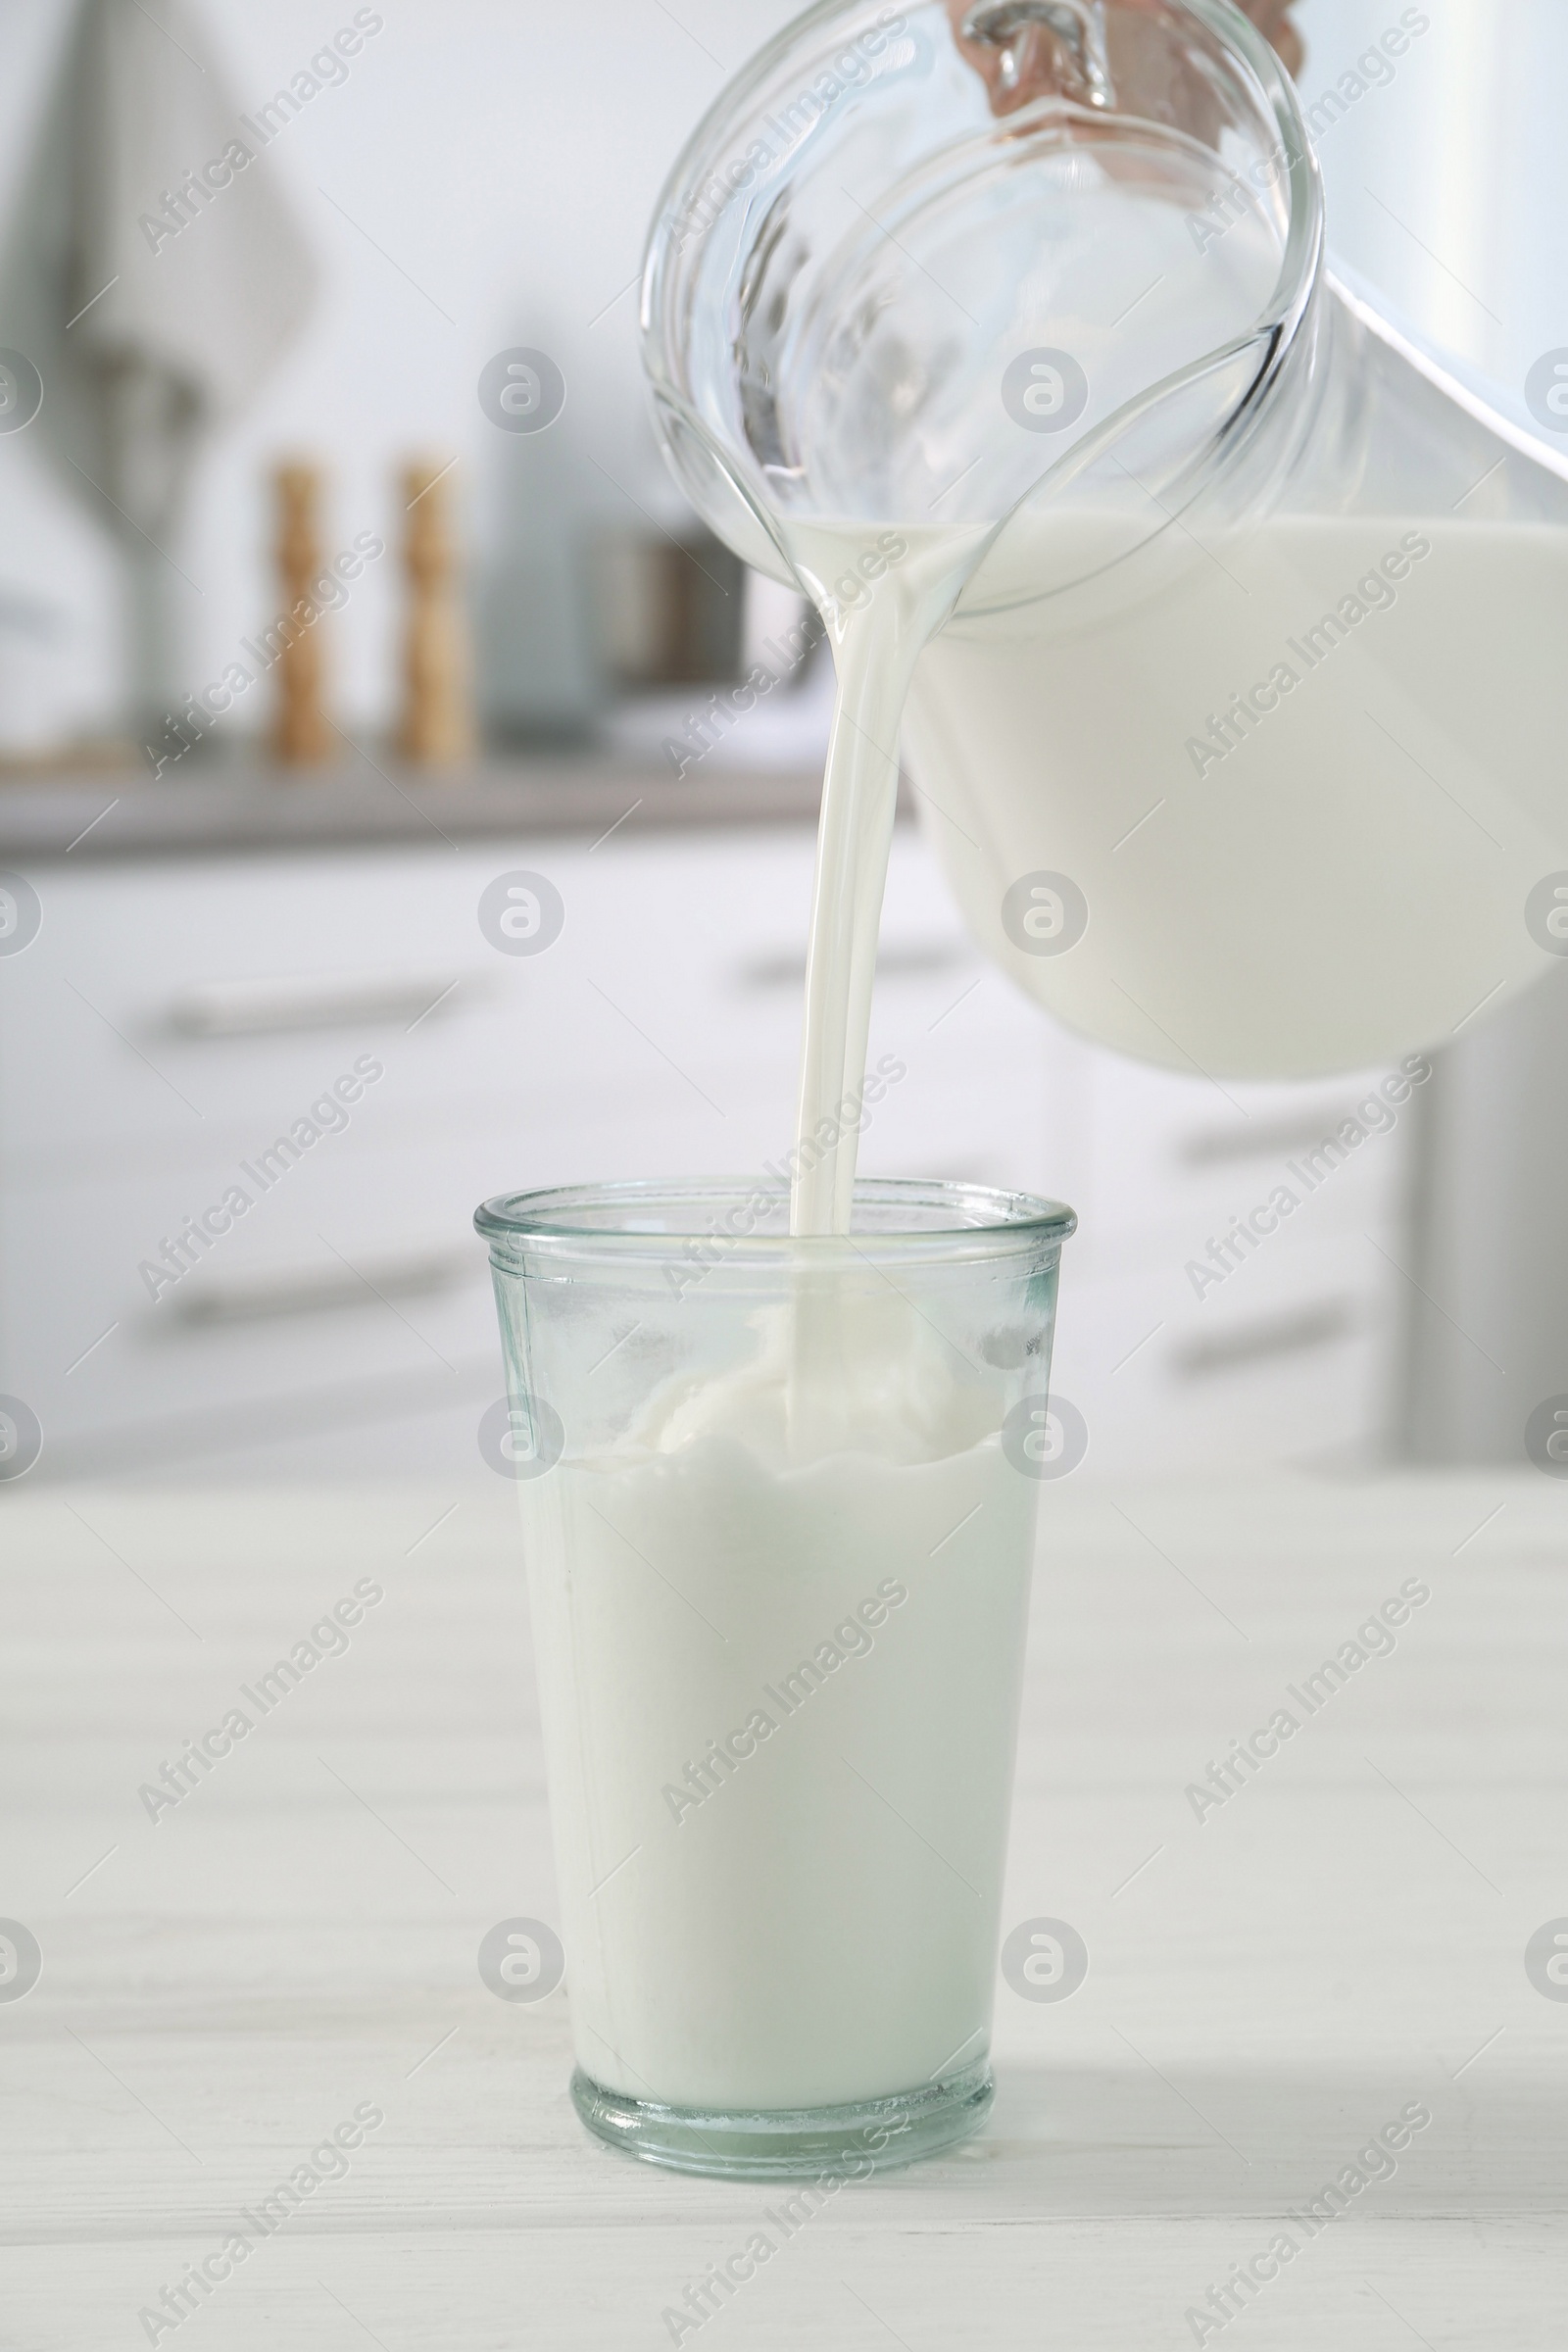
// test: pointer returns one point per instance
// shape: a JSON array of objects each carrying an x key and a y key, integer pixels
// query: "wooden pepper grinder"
[
  {"x": 300, "y": 736},
  {"x": 437, "y": 725}
]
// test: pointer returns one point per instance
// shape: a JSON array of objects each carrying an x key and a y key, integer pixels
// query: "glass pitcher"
[{"x": 1241, "y": 742}]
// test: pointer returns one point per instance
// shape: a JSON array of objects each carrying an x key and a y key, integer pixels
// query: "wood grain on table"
[{"x": 1268, "y": 1985}]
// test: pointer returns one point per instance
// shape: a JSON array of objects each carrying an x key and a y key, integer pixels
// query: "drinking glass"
[{"x": 778, "y": 1507}]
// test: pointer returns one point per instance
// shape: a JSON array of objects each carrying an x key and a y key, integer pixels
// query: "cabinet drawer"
[
  {"x": 345, "y": 1262},
  {"x": 203, "y": 1007},
  {"x": 209, "y": 996},
  {"x": 1175, "y": 1155},
  {"x": 354, "y": 1261},
  {"x": 1290, "y": 1357}
]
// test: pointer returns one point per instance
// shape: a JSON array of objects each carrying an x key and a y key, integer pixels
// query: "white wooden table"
[{"x": 1267, "y": 1988}]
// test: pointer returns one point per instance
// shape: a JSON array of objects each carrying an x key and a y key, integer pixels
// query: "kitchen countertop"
[
  {"x": 1341, "y": 1939},
  {"x": 119, "y": 813}
]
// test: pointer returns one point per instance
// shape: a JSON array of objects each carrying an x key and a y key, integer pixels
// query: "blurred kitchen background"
[{"x": 217, "y": 917}]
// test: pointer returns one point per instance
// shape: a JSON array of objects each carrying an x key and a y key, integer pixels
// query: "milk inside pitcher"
[{"x": 1238, "y": 739}]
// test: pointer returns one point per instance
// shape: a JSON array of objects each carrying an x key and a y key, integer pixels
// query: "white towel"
[{"x": 181, "y": 243}]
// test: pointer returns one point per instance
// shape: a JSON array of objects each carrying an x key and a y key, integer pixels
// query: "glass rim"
[
  {"x": 1274, "y": 334},
  {"x": 979, "y": 1220},
  {"x": 1222, "y": 20}
]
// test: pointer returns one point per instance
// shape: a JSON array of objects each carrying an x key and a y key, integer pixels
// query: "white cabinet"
[
  {"x": 1235, "y": 1297},
  {"x": 332, "y": 1036}
]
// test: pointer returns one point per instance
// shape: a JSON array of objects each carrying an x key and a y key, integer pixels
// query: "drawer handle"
[
  {"x": 913, "y": 961},
  {"x": 316, "y": 1001},
  {"x": 1278, "y": 1140},
  {"x": 1291, "y": 1335},
  {"x": 315, "y": 1290}
]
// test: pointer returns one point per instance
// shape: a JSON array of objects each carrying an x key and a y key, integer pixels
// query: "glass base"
[{"x": 787, "y": 2142}]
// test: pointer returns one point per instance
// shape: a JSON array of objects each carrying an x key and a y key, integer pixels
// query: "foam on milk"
[{"x": 888, "y": 1393}]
